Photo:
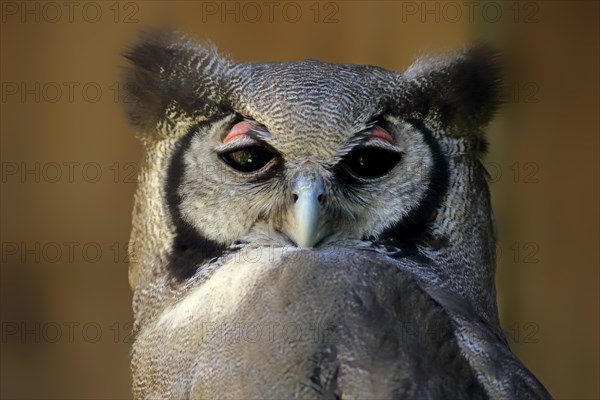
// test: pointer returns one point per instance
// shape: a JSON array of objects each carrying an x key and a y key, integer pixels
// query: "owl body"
[
  {"x": 314, "y": 230},
  {"x": 309, "y": 322}
]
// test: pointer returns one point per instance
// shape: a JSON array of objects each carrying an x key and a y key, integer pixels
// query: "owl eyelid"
[
  {"x": 241, "y": 142},
  {"x": 376, "y": 131},
  {"x": 241, "y": 127},
  {"x": 375, "y": 134},
  {"x": 379, "y": 144}
]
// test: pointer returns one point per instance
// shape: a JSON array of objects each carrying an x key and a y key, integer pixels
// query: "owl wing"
[
  {"x": 497, "y": 369},
  {"x": 440, "y": 347}
]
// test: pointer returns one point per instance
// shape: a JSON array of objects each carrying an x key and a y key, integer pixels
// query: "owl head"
[{"x": 300, "y": 154}]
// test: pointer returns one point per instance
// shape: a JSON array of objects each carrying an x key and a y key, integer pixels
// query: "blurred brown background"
[{"x": 69, "y": 162}]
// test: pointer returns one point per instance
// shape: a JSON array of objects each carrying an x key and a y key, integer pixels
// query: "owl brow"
[
  {"x": 257, "y": 132},
  {"x": 260, "y": 133},
  {"x": 369, "y": 125}
]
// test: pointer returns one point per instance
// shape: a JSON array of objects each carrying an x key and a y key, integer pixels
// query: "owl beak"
[{"x": 306, "y": 224}]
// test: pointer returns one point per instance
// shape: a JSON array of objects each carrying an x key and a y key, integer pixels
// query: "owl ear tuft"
[
  {"x": 172, "y": 83},
  {"x": 462, "y": 89}
]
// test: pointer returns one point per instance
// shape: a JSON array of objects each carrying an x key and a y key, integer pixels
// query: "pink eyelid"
[
  {"x": 241, "y": 128},
  {"x": 380, "y": 133}
]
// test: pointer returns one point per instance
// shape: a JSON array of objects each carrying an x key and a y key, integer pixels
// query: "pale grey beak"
[{"x": 306, "y": 222}]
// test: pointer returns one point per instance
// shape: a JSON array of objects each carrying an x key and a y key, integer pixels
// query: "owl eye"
[
  {"x": 248, "y": 159},
  {"x": 370, "y": 162}
]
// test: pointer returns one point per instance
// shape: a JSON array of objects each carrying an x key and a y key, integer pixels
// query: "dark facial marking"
[{"x": 190, "y": 248}]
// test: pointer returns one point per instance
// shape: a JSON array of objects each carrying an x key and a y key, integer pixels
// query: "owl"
[{"x": 314, "y": 230}]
